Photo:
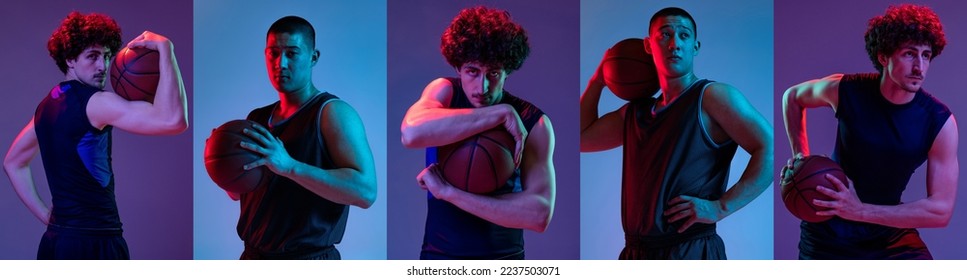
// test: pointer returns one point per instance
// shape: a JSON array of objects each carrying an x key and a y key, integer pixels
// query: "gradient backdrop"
[
  {"x": 545, "y": 77},
  {"x": 814, "y": 41},
  {"x": 736, "y": 39},
  {"x": 230, "y": 38},
  {"x": 152, "y": 173}
]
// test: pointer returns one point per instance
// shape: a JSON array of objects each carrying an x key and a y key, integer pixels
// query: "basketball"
[
  {"x": 225, "y": 159},
  {"x": 135, "y": 74},
  {"x": 479, "y": 164},
  {"x": 799, "y": 192},
  {"x": 629, "y": 72}
]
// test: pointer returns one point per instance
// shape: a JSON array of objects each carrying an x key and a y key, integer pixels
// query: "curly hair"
[
  {"x": 78, "y": 32},
  {"x": 900, "y": 25},
  {"x": 487, "y": 36}
]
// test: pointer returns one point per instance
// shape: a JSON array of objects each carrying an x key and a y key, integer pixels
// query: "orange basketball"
[
  {"x": 629, "y": 72},
  {"x": 798, "y": 193},
  {"x": 225, "y": 157},
  {"x": 479, "y": 164},
  {"x": 135, "y": 74}
]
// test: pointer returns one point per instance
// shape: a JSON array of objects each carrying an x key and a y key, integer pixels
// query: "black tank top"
[
  {"x": 77, "y": 159},
  {"x": 453, "y": 233},
  {"x": 667, "y": 154},
  {"x": 880, "y": 144},
  {"x": 285, "y": 219}
]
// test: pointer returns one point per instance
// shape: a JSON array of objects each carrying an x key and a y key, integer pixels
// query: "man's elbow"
[
  {"x": 173, "y": 126},
  {"x": 11, "y": 163},
  {"x": 942, "y": 220},
  {"x": 366, "y": 201},
  {"x": 367, "y": 197},
  {"x": 541, "y": 221},
  {"x": 410, "y": 138},
  {"x": 8, "y": 166}
]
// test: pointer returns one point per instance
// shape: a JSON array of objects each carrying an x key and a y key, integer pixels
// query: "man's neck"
[
  {"x": 672, "y": 88},
  {"x": 290, "y": 102},
  {"x": 894, "y": 92}
]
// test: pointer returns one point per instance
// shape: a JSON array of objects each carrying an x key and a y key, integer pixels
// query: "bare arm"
[
  {"x": 933, "y": 211},
  {"x": 353, "y": 182},
  {"x": 810, "y": 94},
  {"x": 531, "y": 208},
  {"x": 731, "y": 113},
  {"x": 430, "y": 123},
  {"x": 169, "y": 112},
  {"x": 17, "y": 166},
  {"x": 599, "y": 133}
]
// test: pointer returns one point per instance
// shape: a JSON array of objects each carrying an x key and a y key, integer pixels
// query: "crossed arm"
[{"x": 429, "y": 123}]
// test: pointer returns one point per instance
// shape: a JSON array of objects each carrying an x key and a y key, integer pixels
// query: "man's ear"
[
  {"x": 882, "y": 59},
  {"x": 698, "y": 46},
  {"x": 647, "y": 45},
  {"x": 315, "y": 56}
]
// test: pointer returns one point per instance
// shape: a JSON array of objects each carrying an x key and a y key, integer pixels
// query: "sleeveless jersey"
[
  {"x": 666, "y": 154},
  {"x": 77, "y": 159},
  {"x": 284, "y": 219},
  {"x": 879, "y": 145},
  {"x": 893, "y": 138}
]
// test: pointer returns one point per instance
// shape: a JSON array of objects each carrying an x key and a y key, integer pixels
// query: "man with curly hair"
[
  {"x": 484, "y": 46},
  {"x": 316, "y": 146},
  {"x": 888, "y": 126},
  {"x": 72, "y": 131},
  {"x": 678, "y": 149}
]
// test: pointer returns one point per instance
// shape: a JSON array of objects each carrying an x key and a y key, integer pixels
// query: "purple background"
[
  {"x": 152, "y": 173},
  {"x": 736, "y": 50},
  {"x": 414, "y": 57},
  {"x": 351, "y": 38},
  {"x": 818, "y": 38}
]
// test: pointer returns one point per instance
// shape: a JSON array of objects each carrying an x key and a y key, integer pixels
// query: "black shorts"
[
  {"x": 71, "y": 243},
  {"x": 699, "y": 244},
  {"x": 839, "y": 239},
  {"x": 325, "y": 253}
]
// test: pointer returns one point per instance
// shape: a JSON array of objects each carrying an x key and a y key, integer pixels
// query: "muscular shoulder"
[
  {"x": 338, "y": 115},
  {"x": 717, "y": 95},
  {"x": 439, "y": 91},
  {"x": 541, "y": 138}
]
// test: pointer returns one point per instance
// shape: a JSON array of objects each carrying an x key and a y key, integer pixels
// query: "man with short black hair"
[
  {"x": 316, "y": 146},
  {"x": 678, "y": 148}
]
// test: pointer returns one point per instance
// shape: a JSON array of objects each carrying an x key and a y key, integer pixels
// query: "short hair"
[
  {"x": 294, "y": 25},
  {"x": 485, "y": 35},
  {"x": 78, "y": 32},
  {"x": 903, "y": 24},
  {"x": 672, "y": 11}
]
